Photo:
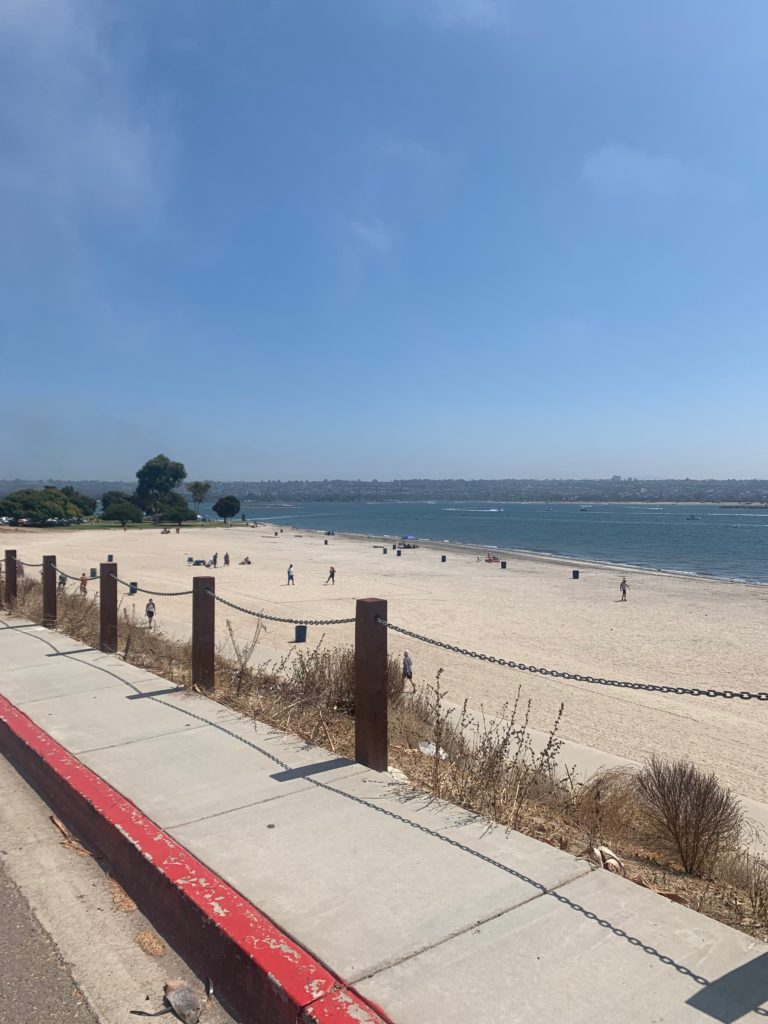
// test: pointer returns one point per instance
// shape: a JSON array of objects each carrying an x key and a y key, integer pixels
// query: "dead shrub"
[
  {"x": 609, "y": 807},
  {"x": 697, "y": 816}
]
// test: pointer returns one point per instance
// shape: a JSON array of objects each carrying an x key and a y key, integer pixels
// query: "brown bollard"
[
  {"x": 203, "y": 631},
  {"x": 49, "y": 591},
  {"x": 10, "y": 577},
  {"x": 371, "y": 748},
  {"x": 108, "y": 607}
]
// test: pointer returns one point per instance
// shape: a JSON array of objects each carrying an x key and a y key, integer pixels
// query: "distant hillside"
[{"x": 614, "y": 489}]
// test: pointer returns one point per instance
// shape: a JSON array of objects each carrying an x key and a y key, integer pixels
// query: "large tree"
[
  {"x": 158, "y": 479},
  {"x": 227, "y": 507},
  {"x": 124, "y": 512},
  {"x": 174, "y": 509},
  {"x": 199, "y": 490}
]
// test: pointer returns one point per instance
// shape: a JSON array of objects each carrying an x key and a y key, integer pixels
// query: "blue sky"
[{"x": 384, "y": 238}]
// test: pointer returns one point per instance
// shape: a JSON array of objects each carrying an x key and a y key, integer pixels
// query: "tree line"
[{"x": 156, "y": 497}]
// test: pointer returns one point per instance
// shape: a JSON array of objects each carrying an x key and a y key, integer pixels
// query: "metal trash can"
[
  {"x": 301, "y": 634},
  {"x": 443, "y": 558},
  {"x": 110, "y": 558},
  {"x": 94, "y": 574},
  {"x": 133, "y": 588},
  {"x": 325, "y": 542},
  {"x": 503, "y": 565},
  {"x": 575, "y": 574},
  {"x": 384, "y": 550},
  {"x": 399, "y": 552}
]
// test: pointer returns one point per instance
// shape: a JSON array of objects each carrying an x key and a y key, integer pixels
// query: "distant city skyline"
[{"x": 356, "y": 240}]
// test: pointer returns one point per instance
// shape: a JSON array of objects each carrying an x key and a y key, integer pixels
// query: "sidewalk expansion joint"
[
  {"x": 139, "y": 739},
  {"x": 357, "y": 979},
  {"x": 232, "y": 810}
]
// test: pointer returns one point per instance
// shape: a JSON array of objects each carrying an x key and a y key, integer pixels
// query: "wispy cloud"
[
  {"x": 77, "y": 140},
  {"x": 621, "y": 170},
  {"x": 373, "y": 234}
]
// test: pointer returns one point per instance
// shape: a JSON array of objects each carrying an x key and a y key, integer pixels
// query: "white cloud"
[
  {"x": 620, "y": 170},
  {"x": 373, "y": 234},
  {"x": 76, "y": 139}
]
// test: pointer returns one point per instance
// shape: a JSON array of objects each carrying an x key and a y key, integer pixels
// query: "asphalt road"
[{"x": 35, "y": 985}]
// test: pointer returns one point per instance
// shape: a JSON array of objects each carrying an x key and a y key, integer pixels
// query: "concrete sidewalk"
[{"x": 413, "y": 904}]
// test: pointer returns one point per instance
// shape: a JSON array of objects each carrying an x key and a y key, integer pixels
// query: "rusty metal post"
[
  {"x": 108, "y": 607},
  {"x": 49, "y": 591},
  {"x": 203, "y": 631},
  {"x": 10, "y": 577},
  {"x": 371, "y": 684}
]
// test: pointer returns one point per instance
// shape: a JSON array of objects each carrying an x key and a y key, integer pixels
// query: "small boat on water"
[
  {"x": 585, "y": 508},
  {"x": 689, "y": 518}
]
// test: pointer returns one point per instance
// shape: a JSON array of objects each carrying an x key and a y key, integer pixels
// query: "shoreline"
[
  {"x": 465, "y": 547},
  {"x": 546, "y": 557}
]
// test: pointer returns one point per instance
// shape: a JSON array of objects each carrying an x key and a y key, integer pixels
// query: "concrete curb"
[{"x": 261, "y": 973}]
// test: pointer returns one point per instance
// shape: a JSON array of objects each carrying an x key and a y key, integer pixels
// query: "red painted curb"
[{"x": 263, "y": 975}]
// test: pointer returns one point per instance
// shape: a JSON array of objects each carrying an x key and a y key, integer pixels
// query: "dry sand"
[{"x": 673, "y": 630}]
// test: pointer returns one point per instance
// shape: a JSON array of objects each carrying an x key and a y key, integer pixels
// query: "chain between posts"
[
  {"x": 277, "y": 618},
  {"x": 575, "y": 676},
  {"x": 154, "y": 593},
  {"x": 28, "y": 565}
]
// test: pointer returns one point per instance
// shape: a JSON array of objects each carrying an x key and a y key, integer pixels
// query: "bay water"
[{"x": 701, "y": 540}]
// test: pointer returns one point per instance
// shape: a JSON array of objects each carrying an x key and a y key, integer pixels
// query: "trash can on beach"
[
  {"x": 399, "y": 552},
  {"x": 133, "y": 588},
  {"x": 301, "y": 634},
  {"x": 110, "y": 558},
  {"x": 443, "y": 558},
  {"x": 503, "y": 565},
  {"x": 94, "y": 574},
  {"x": 575, "y": 574}
]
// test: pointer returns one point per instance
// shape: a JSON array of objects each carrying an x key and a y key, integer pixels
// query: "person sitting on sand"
[
  {"x": 624, "y": 587},
  {"x": 246, "y": 561}
]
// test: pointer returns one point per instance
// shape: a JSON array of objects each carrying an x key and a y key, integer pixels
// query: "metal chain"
[
  {"x": 28, "y": 565},
  {"x": 577, "y": 677},
  {"x": 154, "y": 593},
  {"x": 277, "y": 618}
]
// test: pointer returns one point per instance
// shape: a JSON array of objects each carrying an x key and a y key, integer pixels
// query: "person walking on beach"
[
  {"x": 215, "y": 559},
  {"x": 84, "y": 585},
  {"x": 62, "y": 583},
  {"x": 226, "y": 558},
  {"x": 149, "y": 611},
  {"x": 408, "y": 670},
  {"x": 624, "y": 587},
  {"x": 331, "y": 577},
  {"x": 291, "y": 580}
]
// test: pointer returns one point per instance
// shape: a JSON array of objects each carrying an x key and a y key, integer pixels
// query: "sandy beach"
[{"x": 673, "y": 630}]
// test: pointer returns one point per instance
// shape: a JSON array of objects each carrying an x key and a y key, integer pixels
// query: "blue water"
[{"x": 727, "y": 543}]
